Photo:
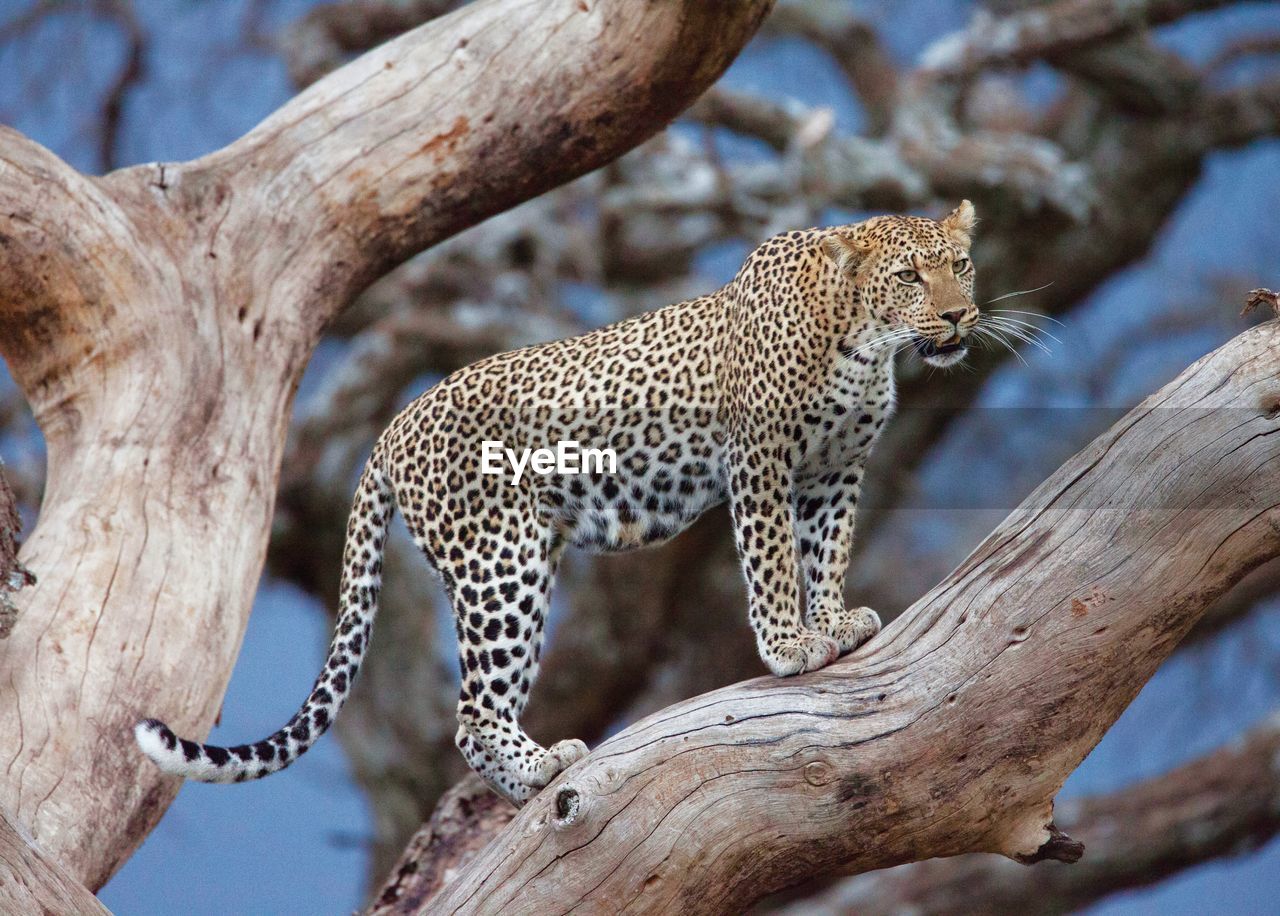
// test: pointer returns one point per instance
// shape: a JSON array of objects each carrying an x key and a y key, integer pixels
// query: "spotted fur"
[{"x": 768, "y": 393}]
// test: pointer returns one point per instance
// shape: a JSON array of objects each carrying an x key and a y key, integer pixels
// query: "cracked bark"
[
  {"x": 13, "y": 575},
  {"x": 32, "y": 881},
  {"x": 1224, "y": 804},
  {"x": 953, "y": 731}
]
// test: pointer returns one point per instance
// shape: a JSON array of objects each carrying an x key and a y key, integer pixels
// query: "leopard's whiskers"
[
  {"x": 1029, "y": 314},
  {"x": 1027, "y": 326},
  {"x": 895, "y": 336},
  {"x": 1020, "y": 292},
  {"x": 1017, "y": 334},
  {"x": 982, "y": 331},
  {"x": 1027, "y": 334}
]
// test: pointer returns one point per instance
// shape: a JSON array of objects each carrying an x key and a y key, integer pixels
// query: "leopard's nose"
[{"x": 955, "y": 317}]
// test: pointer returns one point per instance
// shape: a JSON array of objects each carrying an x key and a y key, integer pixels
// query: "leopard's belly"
[{"x": 644, "y": 502}]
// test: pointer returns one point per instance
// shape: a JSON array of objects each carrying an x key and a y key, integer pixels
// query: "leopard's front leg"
[
  {"x": 824, "y": 512},
  {"x": 763, "y": 528}
]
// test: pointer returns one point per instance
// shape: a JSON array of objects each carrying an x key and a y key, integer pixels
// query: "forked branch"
[
  {"x": 158, "y": 320},
  {"x": 466, "y": 116}
]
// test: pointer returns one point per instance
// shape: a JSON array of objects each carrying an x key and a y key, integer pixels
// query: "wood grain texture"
[
  {"x": 33, "y": 882},
  {"x": 951, "y": 732},
  {"x": 1224, "y": 804},
  {"x": 466, "y": 818},
  {"x": 158, "y": 320}
]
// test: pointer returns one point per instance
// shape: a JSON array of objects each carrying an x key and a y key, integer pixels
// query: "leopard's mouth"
[{"x": 943, "y": 354}]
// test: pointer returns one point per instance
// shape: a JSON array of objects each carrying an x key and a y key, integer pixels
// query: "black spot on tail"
[
  {"x": 218, "y": 755},
  {"x": 163, "y": 731}
]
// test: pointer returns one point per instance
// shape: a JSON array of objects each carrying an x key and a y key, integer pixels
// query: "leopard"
[{"x": 767, "y": 394}]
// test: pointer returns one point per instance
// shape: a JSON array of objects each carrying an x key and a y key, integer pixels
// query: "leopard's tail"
[{"x": 361, "y": 580}]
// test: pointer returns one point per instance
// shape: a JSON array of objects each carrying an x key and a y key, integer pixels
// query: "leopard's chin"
[{"x": 941, "y": 355}]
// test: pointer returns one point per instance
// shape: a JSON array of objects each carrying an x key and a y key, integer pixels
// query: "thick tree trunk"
[
  {"x": 158, "y": 321},
  {"x": 951, "y": 732}
]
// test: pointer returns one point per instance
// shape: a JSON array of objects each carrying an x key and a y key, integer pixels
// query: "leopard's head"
[{"x": 914, "y": 278}]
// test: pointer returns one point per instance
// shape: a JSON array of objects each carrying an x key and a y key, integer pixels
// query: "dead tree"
[
  {"x": 1225, "y": 803},
  {"x": 950, "y": 733},
  {"x": 158, "y": 320}
]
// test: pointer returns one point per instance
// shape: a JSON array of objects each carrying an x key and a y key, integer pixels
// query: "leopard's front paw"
[
  {"x": 560, "y": 756},
  {"x": 850, "y": 628},
  {"x": 807, "y": 651}
]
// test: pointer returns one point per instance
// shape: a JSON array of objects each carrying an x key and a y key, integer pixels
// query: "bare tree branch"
[
  {"x": 326, "y": 37},
  {"x": 466, "y": 819},
  {"x": 366, "y": 190},
  {"x": 1235, "y": 117},
  {"x": 1249, "y": 46},
  {"x": 130, "y": 74},
  {"x": 1226, "y": 804},
  {"x": 1261, "y": 585},
  {"x": 855, "y": 47},
  {"x": 31, "y": 881},
  {"x": 923, "y": 160},
  {"x": 1046, "y": 30},
  {"x": 1259, "y": 297}
]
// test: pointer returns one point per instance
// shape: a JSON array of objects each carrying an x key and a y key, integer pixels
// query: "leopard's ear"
[
  {"x": 959, "y": 224},
  {"x": 845, "y": 252}
]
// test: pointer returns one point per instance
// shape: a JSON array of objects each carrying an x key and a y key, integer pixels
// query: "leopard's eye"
[
  {"x": 908, "y": 276},
  {"x": 961, "y": 265}
]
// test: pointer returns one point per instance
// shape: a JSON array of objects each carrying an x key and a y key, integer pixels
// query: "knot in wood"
[
  {"x": 818, "y": 773},
  {"x": 568, "y": 804}
]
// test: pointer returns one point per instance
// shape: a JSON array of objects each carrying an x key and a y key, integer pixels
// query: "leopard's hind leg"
[{"x": 501, "y": 609}]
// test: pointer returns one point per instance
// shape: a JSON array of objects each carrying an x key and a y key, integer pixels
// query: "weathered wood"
[
  {"x": 1261, "y": 296},
  {"x": 13, "y": 575},
  {"x": 953, "y": 730},
  {"x": 32, "y": 882},
  {"x": 1223, "y": 804},
  {"x": 466, "y": 818},
  {"x": 158, "y": 320}
]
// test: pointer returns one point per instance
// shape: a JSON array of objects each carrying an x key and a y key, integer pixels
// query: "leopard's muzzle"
[{"x": 941, "y": 354}]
